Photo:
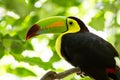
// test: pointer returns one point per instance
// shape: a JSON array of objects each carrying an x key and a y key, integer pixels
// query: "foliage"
[{"x": 16, "y": 16}]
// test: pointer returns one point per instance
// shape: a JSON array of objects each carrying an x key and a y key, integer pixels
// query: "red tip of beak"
[{"x": 32, "y": 31}]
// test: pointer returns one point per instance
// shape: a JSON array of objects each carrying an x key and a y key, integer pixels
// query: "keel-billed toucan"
[{"x": 92, "y": 54}]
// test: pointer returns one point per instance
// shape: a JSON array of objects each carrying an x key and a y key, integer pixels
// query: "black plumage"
[
  {"x": 91, "y": 53},
  {"x": 88, "y": 51}
]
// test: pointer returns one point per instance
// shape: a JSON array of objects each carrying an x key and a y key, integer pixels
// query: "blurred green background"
[{"x": 30, "y": 60}]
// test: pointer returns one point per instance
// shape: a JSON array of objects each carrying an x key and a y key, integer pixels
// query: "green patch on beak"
[{"x": 56, "y": 24}]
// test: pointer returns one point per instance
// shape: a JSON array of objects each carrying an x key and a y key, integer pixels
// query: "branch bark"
[{"x": 51, "y": 75}]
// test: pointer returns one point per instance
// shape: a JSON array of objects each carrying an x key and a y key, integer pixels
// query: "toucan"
[{"x": 95, "y": 56}]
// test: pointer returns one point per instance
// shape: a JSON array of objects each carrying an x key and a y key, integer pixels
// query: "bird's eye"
[{"x": 71, "y": 23}]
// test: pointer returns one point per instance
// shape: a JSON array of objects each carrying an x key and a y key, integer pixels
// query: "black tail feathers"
[
  {"x": 115, "y": 76},
  {"x": 118, "y": 73}
]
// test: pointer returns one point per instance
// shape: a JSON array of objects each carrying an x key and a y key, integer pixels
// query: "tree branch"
[{"x": 51, "y": 75}]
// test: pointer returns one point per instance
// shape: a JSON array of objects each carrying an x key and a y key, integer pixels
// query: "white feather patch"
[{"x": 117, "y": 61}]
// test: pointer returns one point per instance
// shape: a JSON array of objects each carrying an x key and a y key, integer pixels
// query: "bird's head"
[{"x": 57, "y": 24}]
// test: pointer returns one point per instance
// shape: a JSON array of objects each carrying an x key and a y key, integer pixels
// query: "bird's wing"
[{"x": 84, "y": 48}]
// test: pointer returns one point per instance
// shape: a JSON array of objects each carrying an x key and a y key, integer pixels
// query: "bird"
[{"x": 95, "y": 56}]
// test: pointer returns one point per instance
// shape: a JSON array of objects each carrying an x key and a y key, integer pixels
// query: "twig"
[{"x": 51, "y": 75}]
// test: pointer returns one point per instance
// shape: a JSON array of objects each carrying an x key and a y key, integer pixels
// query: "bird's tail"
[
  {"x": 118, "y": 67},
  {"x": 118, "y": 73}
]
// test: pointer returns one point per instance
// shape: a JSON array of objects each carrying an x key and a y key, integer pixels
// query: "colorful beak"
[{"x": 56, "y": 24}]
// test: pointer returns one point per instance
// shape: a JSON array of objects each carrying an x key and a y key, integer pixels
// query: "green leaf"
[
  {"x": 39, "y": 62},
  {"x": 17, "y": 57},
  {"x": 117, "y": 42},
  {"x": 20, "y": 71},
  {"x": 17, "y": 47},
  {"x": 7, "y": 41},
  {"x": 18, "y": 7},
  {"x": 98, "y": 21},
  {"x": 32, "y": 1},
  {"x": 2, "y": 48},
  {"x": 28, "y": 46},
  {"x": 67, "y": 3}
]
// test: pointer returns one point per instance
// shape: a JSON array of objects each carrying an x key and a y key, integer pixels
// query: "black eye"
[{"x": 71, "y": 23}]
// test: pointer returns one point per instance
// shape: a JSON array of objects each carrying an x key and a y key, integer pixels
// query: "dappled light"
[{"x": 31, "y": 59}]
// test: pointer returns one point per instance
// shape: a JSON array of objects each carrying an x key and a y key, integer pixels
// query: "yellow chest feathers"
[
  {"x": 72, "y": 28},
  {"x": 58, "y": 45}
]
